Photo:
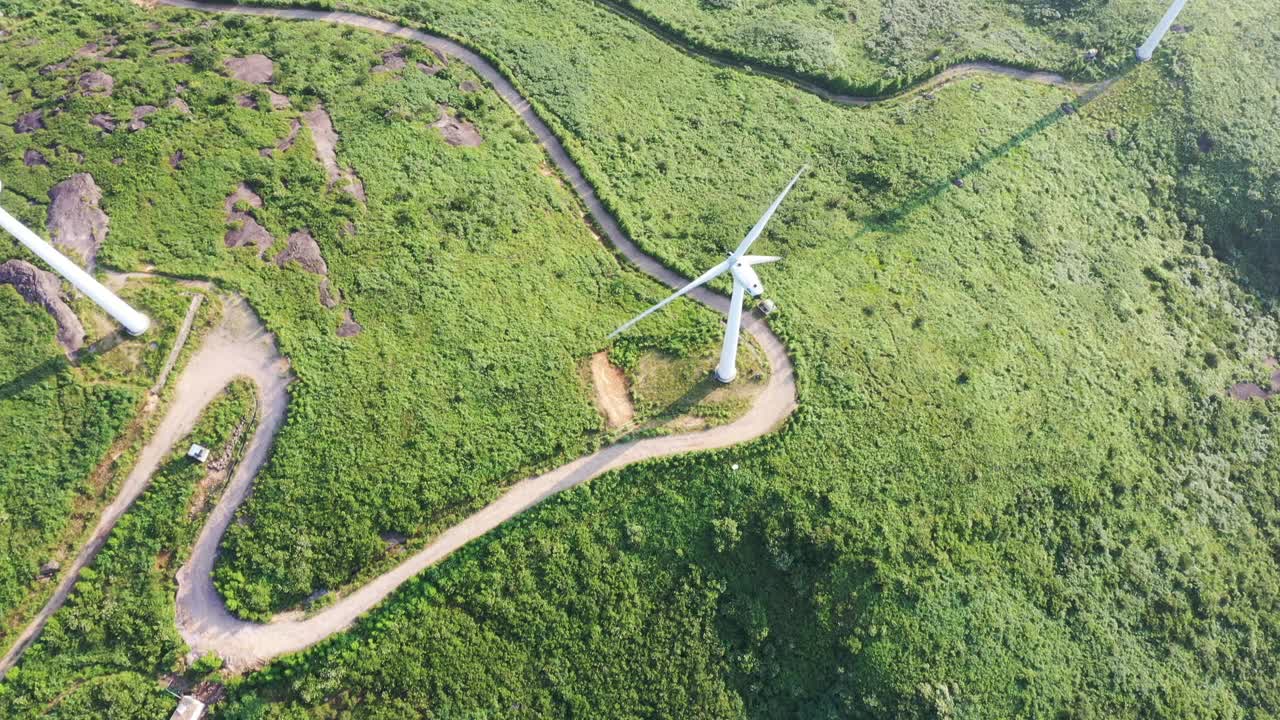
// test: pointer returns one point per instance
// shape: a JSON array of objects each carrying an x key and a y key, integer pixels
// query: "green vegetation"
[
  {"x": 880, "y": 46},
  {"x": 102, "y": 654},
  {"x": 58, "y": 418},
  {"x": 675, "y": 393},
  {"x": 478, "y": 287},
  {"x": 1014, "y": 486}
]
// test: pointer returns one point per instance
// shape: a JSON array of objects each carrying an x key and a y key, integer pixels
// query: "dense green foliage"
[
  {"x": 57, "y": 419},
  {"x": 54, "y": 431},
  {"x": 1014, "y": 486},
  {"x": 101, "y": 654},
  {"x": 478, "y": 287},
  {"x": 877, "y": 46}
]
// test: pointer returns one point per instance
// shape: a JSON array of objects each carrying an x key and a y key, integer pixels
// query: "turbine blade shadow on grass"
[{"x": 892, "y": 217}]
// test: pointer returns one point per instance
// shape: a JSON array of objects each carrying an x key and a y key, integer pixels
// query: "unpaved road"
[
  {"x": 240, "y": 346},
  {"x": 236, "y": 347},
  {"x": 204, "y": 621}
]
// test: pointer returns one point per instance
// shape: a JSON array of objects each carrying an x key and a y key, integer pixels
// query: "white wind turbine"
[
  {"x": 745, "y": 280},
  {"x": 135, "y": 322}
]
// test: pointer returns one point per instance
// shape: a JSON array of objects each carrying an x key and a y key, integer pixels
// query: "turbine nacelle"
[{"x": 745, "y": 275}]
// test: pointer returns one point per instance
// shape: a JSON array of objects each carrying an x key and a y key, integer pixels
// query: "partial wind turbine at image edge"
[
  {"x": 132, "y": 320},
  {"x": 745, "y": 281}
]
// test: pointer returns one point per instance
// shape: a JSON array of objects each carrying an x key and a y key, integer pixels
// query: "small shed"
[
  {"x": 189, "y": 708},
  {"x": 199, "y": 453},
  {"x": 767, "y": 307}
]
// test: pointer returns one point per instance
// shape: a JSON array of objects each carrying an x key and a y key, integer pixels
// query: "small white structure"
[
  {"x": 135, "y": 322},
  {"x": 1149, "y": 47},
  {"x": 767, "y": 307},
  {"x": 745, "y": 280},
  {"x": 199, "y": 453},
  {"x": 189, "y": 708}
]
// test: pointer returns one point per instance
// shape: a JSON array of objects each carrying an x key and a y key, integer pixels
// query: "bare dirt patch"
[
  {"x": 302, "y": 249},
  {"x": 612, "y": 396},
  {"x": 180, "y": 105},
  {"x": 257, "y": 68},
  {"x": 458, "y": 133},
  {"x": 326, "y": 140},
  {"x": 75, "y": 221},
  {"x": 681, "y": 394},
  {"x": 31, "y": 158},
  {"x": 469, "y": 86},
  {"x": 245, "y": 230},
  {"x": 42, "y": 288}
]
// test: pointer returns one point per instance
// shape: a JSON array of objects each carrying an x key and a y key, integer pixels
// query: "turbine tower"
[
  {"x": 745, "y": 280},
  {"x": 133, "y": 321},
  {"x": 1149, "y": 47}
]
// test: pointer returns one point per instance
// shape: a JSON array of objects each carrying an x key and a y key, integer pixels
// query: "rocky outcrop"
[
  {"x": 302, "y": 249},
  {"x": 349, "y": 326},
  {"x": 75, "y": 221},
  {"x": 136, "y": 121},
  {"x": 245, "y": 231},
  {"x": 326, "y": 141},
  {"x": 96, "y": 82},
  {"x": 257, "y": 68},
  {"x": 456, "y": 132},
  {"x": 29, "y": 122},
  {"x": 40, "y": 287}
]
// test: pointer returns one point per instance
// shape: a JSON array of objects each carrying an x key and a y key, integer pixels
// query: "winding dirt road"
[
  {"x": 203, "y": 619},
  {"x": 240, "y": 346}
]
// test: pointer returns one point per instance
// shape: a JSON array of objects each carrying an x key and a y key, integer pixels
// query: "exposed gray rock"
[
  {"x": 96, "y": 82},
  {"x": 40, "y": 287},
  {"x": 302, "y": 249},
  {"x": 257, "y": 68},
  {"x": 75, "y": 221},
  {"x": 29, "y": 122}
]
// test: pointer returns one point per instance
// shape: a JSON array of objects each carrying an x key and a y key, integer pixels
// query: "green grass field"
[
  {"x": 102, "y": 654},
  {"x": 477, "y": 286},
  {"x": 1015, "y": 486},
  {"x": 877, "y": 46},
  {"x": 58, "y": 419}
]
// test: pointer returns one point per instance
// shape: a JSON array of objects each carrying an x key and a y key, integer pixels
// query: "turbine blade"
[
  {"x": 758, "y": 259},
  {"x": 703, "y": 279},
  {"x": 764, "y": 219}
]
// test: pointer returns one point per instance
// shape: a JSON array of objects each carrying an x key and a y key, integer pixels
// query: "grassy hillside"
[
  {"x": 58, "y": 418},
  {"x": 101, "y": 655},
  {"x": 876, "y": 46},
  {"x": 476, "y": 287},
  {"x": 1015, "y": 486}
]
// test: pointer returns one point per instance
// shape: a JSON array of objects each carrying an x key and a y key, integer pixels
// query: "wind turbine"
[
  {"x": 745, "y": 280},
  {"x": 135, "y": 322},
  {"x": 1148, "y": 48}
]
